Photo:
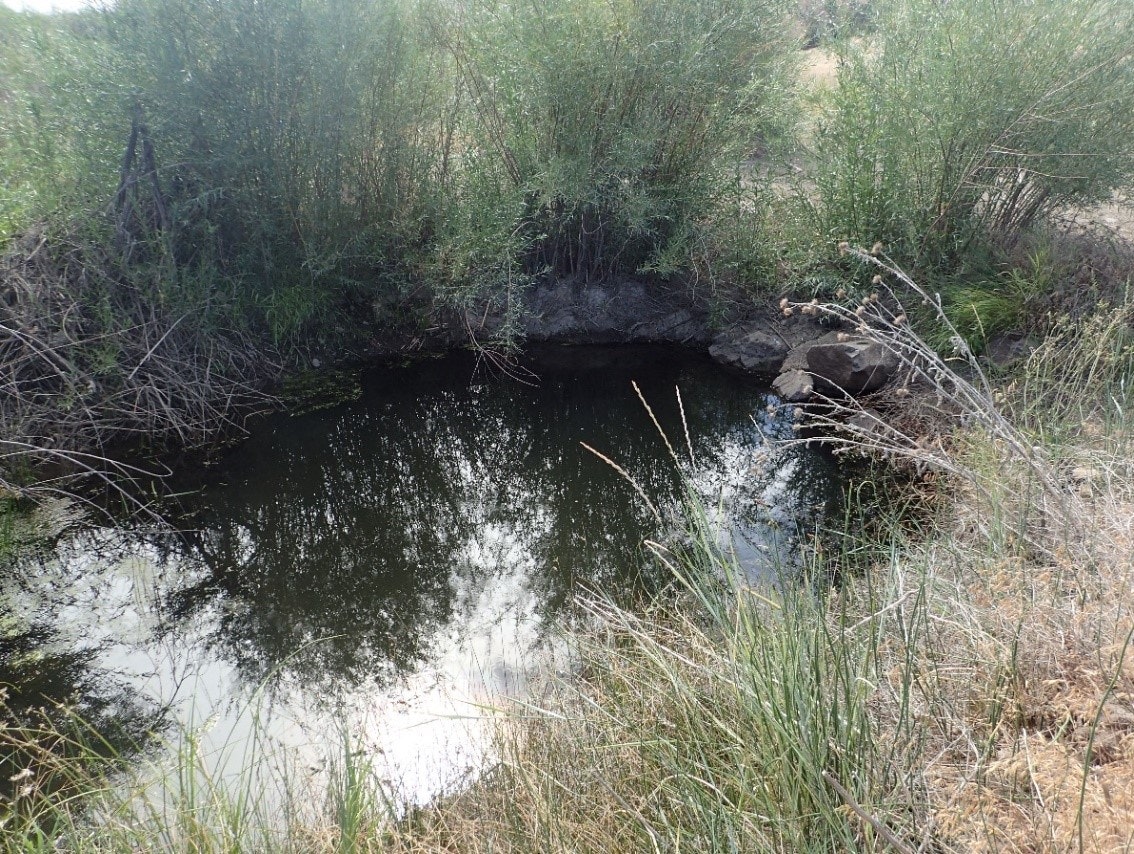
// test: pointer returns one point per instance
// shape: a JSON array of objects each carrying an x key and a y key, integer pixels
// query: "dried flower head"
[
  {"x": 844, "y": 247},
  {"x": 877, "y": 248},
  {"x": 840, "y": 293},
  {"x": 788, "y": 312},
  {"x": 784, "y": 302}
]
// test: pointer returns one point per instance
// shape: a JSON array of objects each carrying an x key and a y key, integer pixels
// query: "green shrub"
[
  {"x": 824, "y": 20},
  {"x": 58, "y": 128},
  {"x": 602, "y": 132},
  {"x": 962, "y": 122},
  {"x": 302, "y": 144}
]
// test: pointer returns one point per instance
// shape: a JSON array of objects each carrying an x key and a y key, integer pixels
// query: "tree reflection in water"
[
  {"x": 395, "y": 561},
  {"x": 342, "y": 543}
]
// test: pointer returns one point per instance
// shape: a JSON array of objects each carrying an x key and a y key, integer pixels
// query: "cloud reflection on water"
[{"x": 395, "y": 563}]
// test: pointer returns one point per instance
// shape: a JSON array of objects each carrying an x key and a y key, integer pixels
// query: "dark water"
[{"x": 390, "y": 565}]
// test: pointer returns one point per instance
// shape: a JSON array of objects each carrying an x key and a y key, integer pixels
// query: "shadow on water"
[{"x": 430, "y": 533}]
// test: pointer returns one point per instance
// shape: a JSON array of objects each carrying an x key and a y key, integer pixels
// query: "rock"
[
  {"x": 868, "y": 424},
  {"x": 616, "y": 312},
  {"x": 797, "y": 358},
  {"x": 1005, "y": 349},
  {"x": 794, "y": 386},
  {"x": 757, "y": 352},
  {"x": 854, "y": 366}
]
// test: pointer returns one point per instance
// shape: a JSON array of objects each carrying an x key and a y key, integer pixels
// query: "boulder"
[
  {"x": 614, "y": 312},
  {"x": 853, "y": 366},
  {"x": 794, "y": 386},
  {"x": 868, "y": 423},
  {"x": 797, "y": 359},
  {"x": 756, "y": 352}
]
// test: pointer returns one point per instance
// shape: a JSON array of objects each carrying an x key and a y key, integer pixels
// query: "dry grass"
[
  {"x": 1008, "y": 632},
  {"x": 1033, "y": 689}
]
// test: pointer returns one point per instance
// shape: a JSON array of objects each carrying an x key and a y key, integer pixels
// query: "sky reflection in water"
[{"x": 389, "y": 564}]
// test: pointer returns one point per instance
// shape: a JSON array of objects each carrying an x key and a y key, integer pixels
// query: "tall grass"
[
  {"x": 57, "y": 117},
  {"x": 304, "y": 145}
]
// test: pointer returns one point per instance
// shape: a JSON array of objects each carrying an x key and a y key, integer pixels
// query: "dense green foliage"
[
  {"x": 312, "y": 160},
  {"x": 303, "y": 145},
  {"x": 55, "y": 120},
  {"x": 321, "y": 163},
  {"x": 960, "y": 122},
  {"x": 601, "y": 134}
]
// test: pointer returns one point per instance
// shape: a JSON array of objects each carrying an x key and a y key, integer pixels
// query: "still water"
[{"x": 392, "y": 566}]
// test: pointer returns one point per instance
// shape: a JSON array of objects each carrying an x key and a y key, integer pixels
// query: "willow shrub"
[
  {"x": 302, "y": 143},
  {"x": 57, "y": 116},
  {"x": 602, "y": 133},
  {"x": 959, "y": 125}
]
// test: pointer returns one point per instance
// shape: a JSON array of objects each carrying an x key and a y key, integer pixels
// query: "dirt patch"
[{"x": 820, "y": 68}]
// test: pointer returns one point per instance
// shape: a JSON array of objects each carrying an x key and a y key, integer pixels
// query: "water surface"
[{"x": 392, "y": 565}]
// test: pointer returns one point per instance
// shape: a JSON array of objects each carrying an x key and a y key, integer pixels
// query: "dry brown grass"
[
  {"x": 1012, "y": 621},
  {"x": 1034, "y": 692}
]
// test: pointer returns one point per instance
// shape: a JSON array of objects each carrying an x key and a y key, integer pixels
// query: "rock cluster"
[{"x": 833, "y": 363}]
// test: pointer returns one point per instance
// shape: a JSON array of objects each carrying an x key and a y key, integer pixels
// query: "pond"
[{"x": 393, "y": 565}]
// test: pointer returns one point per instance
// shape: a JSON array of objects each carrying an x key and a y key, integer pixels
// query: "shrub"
[
  {"x": 970, "y": 120},
  {"x": 601, "y": 132},
  {"x": 303, "y": 143},
  {"x": 57, "y": 119}
]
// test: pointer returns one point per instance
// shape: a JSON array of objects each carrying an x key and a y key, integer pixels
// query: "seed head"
[
  {"x": 844, "y": 247},
  {"x": 877, "y": 248},
  {"x": 877, "y": 280},
  {"x": 784, "y": 302}
]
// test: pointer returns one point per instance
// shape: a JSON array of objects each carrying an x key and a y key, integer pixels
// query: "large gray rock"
[
  {"x": 757, "y": 352},
  {"x": 797, "y": 358},
  {"x": 794, "y": 386},
  {"x": 854, "y": 366}
]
